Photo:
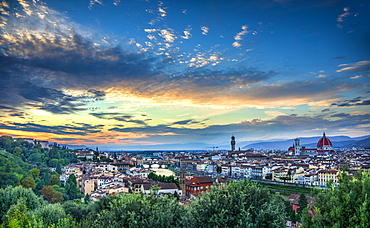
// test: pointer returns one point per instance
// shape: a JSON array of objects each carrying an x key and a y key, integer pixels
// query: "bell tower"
[
  {"x": 233, "y": 143},
  {"x": 297, "y": 147},
  {"x": 183, "y": 183}
]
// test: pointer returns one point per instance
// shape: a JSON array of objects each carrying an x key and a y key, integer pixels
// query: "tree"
[
  {"x": 18, "y": 151},
  {"x": 51, "y": 195},
  {"x": 28, "y": 182},
  {"x": 10, "y": 196},
  {"x": 290, "y": 212},
  {"x": 241, "y": 203},
  {"x": 347, "y": 205},
  {"x": 302, "y": 203},
  {"x": 137, "y": 210},
  {"x": 54, "y": 180},
  {"x": 8, "y": 179},
  {"x": 72, "y": 179},
  {"x": 58, "y": 169},
  {"x": 77, "y": 210},
  {"x": 50, "y": 214},
  {"x": 18, "y": 216},
  {"x": 35, "y": 172}
]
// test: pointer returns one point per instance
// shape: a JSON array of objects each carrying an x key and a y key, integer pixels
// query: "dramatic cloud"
[
  {"x": 76, "y": 129},
  {"x": 155, "y": 72},
  {"x": 120, "y": 117},
  {"x": 358, "y": 101}
]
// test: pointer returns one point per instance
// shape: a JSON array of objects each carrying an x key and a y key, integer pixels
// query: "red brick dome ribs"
[
  {"x": 324, "y": 145},
  {"x": 324, "y": 141}
]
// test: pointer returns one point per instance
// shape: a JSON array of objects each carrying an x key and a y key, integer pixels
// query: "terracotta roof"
[
  {"x": 161, "y": 185},
  {"x": 324, "y": 141}
]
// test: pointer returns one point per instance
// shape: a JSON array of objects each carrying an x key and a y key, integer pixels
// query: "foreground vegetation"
[{"x": 239, "y": 204}]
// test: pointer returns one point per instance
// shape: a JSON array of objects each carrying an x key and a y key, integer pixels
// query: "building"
[
  {"x": 324, "y": 176},
  {"x": 164, "y": 188},
  {"x": 233, "y": 143},
  {"x": 324, "y": 145},
  {"x": 198, "y": 184}
]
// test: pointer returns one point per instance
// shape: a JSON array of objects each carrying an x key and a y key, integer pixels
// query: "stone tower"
[
  {"x": 232, "y": 143},
  {"x": 183, "y": 183},
  {"x": 297, "y": 147}
]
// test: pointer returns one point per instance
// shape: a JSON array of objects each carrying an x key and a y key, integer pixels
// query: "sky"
[{"x": 184, "y": 74}]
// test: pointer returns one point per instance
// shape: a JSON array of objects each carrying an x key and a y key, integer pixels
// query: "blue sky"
[{"x": 183, "y": 74}]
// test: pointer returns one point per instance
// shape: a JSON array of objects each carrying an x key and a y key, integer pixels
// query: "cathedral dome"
[{"x": 324, "y": 142}]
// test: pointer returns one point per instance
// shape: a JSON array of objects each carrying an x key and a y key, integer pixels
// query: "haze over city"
[{"x": 183, "y": 74}]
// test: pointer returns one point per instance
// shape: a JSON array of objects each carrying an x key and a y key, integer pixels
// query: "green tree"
[
  {"x": 344, "y": 206},
  {"x": 72, "y": 191},
  {"x": 290, "y": 212},
  {"x": 50, "y": 214},
  {"x": 240, "y": 204},
  {"x": 8, "y": 179},
  {"x": 18, "y": 216},
  {"x": 35, "y": 172},
  {"x": 10, "y": 196},
  {"x": 28, "y": 182},
  {"x": 18, "y": 151},
  {"x": 72, "y": 179},
  {"x": 302, "y": 203},
  {"x": 137, "y": 210},
  {"x": 77, "y": 210},
  {"x": 54, "y": 180},
  {"x": 58, "y": 169}
]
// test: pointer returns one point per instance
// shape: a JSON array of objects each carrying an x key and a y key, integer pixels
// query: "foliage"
[
  {"x": 35, "y": 172},
  {"x": 347, "y": 205},
  {"x": 8, "y": 179},
  {"x": 290, "y": 212},
  {"x": 18, "y": 216},
  {"x": 240, "y": 204},
  {"x": 22, "y": 159},
  {"x": 77, "y": 210},
  {"x": 28, "y": 182},
  {"x": 302, "y": 203},
  {"x": 52, "y": 196},
  {"x": 72, "y": 191},
  {"x": 54, "y": 180},
  {"x": 137, "y": 210},
  {"x": 163, "y": 178},
  {"x": 50, "y": 214},
  {"x": 10, "y": 196}
]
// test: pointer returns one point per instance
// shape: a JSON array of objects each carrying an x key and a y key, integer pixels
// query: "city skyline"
[{"x": 123, "y": 74}]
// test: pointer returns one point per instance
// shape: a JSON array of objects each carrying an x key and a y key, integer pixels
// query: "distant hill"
[
  {"x": 311, "y": 142},
  {"x": 365, "y": 143}
]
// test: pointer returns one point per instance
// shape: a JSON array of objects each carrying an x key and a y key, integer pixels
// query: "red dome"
[{"x": 324, "y": 142}]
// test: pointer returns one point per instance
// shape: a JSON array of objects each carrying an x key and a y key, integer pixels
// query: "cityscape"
[{"x": 186, "y": 113}]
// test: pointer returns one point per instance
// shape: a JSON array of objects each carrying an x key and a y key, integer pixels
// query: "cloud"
[
  {"x": 281, "y": 124},
  {"x": 359, "y": 66},
  {"x": 322, "y": 76},
  {"x": 236, "y": 44},
  {"x": 342, "y": 16},
  {"x": 77, "y": 129},
  {"x": 239, "y": 35},
  {"x": 167, "y": 35},
  {"x": 358, "y": 101},
  {"x": 119, "y": 117},
  {"x": 205, "y": 30}
]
